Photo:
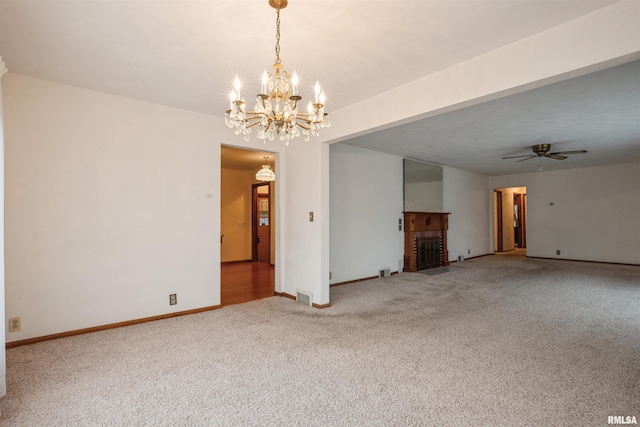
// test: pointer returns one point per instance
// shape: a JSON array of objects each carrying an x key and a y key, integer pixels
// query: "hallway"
[
  {"x": 246, "y": 281},
  {"x": 515, "y": 252}
]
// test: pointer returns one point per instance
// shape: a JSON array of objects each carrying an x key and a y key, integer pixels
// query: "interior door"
[
  {"x": 523, "y": 220},
  {"x": 517, "y": 218},
  {"x": 498, "y": 213},
  {"x": 261, "y": 224},
  {"x": 520, "y": 219},
  {"x": 264, "y": 230}
]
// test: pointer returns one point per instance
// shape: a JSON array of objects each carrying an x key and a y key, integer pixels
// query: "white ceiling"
[
  {"x": 184, "y": 54},
  {"x": 246, "y": 160},
  {"x": 599, "y": 112}
]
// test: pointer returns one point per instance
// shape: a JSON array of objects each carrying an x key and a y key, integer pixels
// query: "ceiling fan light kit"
[{"x": 276, "y": 110}]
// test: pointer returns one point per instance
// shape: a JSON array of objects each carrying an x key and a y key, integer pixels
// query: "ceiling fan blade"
[
  {"x": 528, "y": 157},
  {"x": 568, "y": 152},
  {"x": 515, "y": 157},
  {"x": 555, "y": 156}
]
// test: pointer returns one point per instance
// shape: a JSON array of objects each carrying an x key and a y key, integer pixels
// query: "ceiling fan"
[{"x": 542, "y": 150}]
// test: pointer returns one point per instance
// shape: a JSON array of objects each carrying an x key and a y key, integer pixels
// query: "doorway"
[
  {"x": 519, "y": 221},
  {"x": 498, "y": 241},
  {"x": 247, "y": 227},
  {"x": 261, "y": 224},
  {"x": 510, "y": 220}
]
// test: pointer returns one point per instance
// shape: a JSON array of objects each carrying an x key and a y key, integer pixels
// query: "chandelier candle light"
[{"x": 276, "y": 110}]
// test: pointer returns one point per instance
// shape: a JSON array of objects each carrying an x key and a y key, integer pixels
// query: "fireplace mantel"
[{"x": 421, "y": 232}]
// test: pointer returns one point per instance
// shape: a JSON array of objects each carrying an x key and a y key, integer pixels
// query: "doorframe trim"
[{"x": 498, "y": 197}]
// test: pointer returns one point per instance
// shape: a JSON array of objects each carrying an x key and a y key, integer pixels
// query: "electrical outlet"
[
  {"x": 468, "y": 251},
  {"x": 558, "y": 252},
  {"x": 14, "y": 324},
  {"x": 330, "y": 275},
  {"x": 173, "y": 299}
]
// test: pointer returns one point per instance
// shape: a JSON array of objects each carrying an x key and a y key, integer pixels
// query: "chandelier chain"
[{"x": 278, "y": 37}]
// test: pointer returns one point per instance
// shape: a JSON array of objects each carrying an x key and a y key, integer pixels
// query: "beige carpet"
[{"x": 494, "y": 341}]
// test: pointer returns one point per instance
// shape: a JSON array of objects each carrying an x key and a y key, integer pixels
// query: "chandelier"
[
  {"x": 265, "y": 174},
  {"x": 276, "y": 113}
]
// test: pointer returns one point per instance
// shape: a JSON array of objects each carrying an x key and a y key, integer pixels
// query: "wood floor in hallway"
[{"x": 246, "y": 281}]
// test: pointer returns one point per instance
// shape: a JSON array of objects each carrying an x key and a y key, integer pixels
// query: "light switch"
[{"x": 310, "y": 216}]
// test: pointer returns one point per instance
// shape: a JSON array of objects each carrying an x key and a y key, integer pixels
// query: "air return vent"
[
  {"x": 384, "y": 272},
  {"x": 304, "y": 297}
]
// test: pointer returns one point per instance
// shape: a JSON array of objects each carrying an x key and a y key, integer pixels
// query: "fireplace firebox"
[
  {"x": 428, "y": 252},
  {"x": 425, "y": 240}
]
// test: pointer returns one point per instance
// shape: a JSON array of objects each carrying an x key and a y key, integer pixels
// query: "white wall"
[
  {"x": 235, "y": 215},
  {"x": 366, "y": 203},
  {"x": 3, "y": 367},
  {"x": 465, "y": 197},
  {"x": 366, "y": 206},
  {"x": 594, "y": 216},
  {"x": 111, "y": 205},
  {"x": 305, "y": 240}
]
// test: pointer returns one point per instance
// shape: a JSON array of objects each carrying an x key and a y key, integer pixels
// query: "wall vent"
[
  {"x": 304, "y": 297},
  {"x": 384, "y": 272}
]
